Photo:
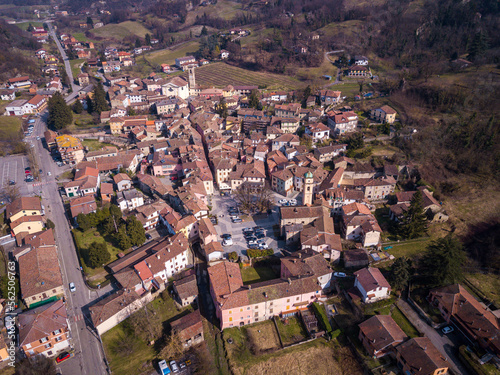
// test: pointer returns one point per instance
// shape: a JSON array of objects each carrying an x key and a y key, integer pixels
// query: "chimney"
[
  {"x": 157, "y": 256},
  {"x": 300, "y": 255},
  {"x": 249, "y": 287},
  {"x": 289, "y": 281}
]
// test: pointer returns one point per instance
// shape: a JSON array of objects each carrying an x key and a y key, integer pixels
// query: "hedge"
[
  {"x": 254, "y": 253},
  {"x": 320, "y": 312}
]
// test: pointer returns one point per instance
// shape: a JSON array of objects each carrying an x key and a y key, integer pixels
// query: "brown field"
[
  {"x": 314, "y": 360},
  {"x": 221, "y": 74},
  {"x": 263, "y": 337}
]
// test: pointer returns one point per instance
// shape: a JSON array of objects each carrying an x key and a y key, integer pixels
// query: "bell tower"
[
  {"x": 192, "y": 79},
  {"x": 307, "y": 197}
]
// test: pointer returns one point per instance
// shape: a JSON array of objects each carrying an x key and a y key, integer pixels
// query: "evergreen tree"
[
  {"x": 414, "y": 222},
  {"x": 60, "y": 114},
  {"x": 221, "y": 108},
  {"x": 478, "y": 46},
  {"x": 254, "y": 100},
  {"x": 83, "y": 222},
  {"x": 138, "y": 43},
  {"x": 98, "y": 254},
  {"x": 400, "y": 273},
  {"x": 30, "y": 28},
  {"x": 90, "y": 22},
  {"x": 135, "y": 231},
  {"x": 307, "y": 92},
  {"x": 115, "y": 212},
  {"x": 148, "y": 39},
  {"x": 123, "y": 240},
  {"x": 443, "y": 261},
  {"x": 99, "y": 102},
  {"x": 204, "y": 31},
  {"x": 77, "y": 107}
]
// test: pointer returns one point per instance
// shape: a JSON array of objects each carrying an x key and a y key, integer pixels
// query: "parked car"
[
  {"x": 282, "y": 201},
  {"x": 12, "y": 182},
  {"x": 252, "y": 242},
  {"x": 64, "y": 356},
  {"x": 247, "y": 230},
  {"x": 148, "y": 236},
  {"x": 164, "y": 369},
  {"x": 339, "y": 274},
  {"x": 72, "y": 287},
  {"x": 174, "y": 367},
  {"x": 253, "y": 247},
  {"x": 226, "y": 235},
  {"x": 260, "y": 235},
  {"x": 447, "y": 329},
  {"x": 37, "y": 138},
  {"x": 263, "y": 246},
  {"x": 49, "y": 174},
  {"x": 251, "y": 239},
  {"x": 237, "y": 220},
  {"x": 227, "y": 242},
  {"x": 182, "y": 365}
]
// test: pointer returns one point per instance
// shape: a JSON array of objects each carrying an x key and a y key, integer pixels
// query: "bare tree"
[
  {"x": 146, "y": 324},
  {"x": 12, "y": 192},
  {"x": 123, "y": 345},
  {"x": 253, "y": 198},
  {"x": 173, "y": 346}
]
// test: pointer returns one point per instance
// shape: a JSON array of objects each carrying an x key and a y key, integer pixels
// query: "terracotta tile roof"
[
  {"x": 186, "y": 287},
  {"x": 106, "y": 188},
  {"x": 306, "y": 263},
  {"x": 355, "y": 208},
  {"x": 121, "y": 177},
  {"x": 38, "y": 323},
  {"x": 382, "y": 331},
  {"x": 301, "y": 211},
  {"x": 279, "y": 288},
  {"x": 225, "y": 278},
  {"x": 371, "y": 278},
  {"x": 205, "y": 227},
  {"x": 212, "y": 247},
  {"x": 23, "y": 203},
  {"x": 166, "y": 250},
  {"x": 39, "y": 271},
  {"x": 388, "y": 110},
  {"x": 109, "y": 306},
  {"x": 188, "y": 326},
  {"x": 43, "y": 238},
  {"x": 422, "y": 356},
  {"x": 86, "y": 171},
  {"x": 82, "y": 205}
]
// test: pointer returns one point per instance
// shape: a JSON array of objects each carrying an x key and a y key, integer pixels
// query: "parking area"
[
  {"x": 223, "y": 207},
  {"x": 12, "y": 170}
]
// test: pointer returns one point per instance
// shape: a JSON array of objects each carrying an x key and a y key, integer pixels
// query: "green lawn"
[
  {"x": 9, "y": 127},
  {"x": 94, "y": 144},
  {"x": 252, "y": 275},
  {"x": 410, "y": 248},
  {"x": 489, "y": 284},
  {"x": 292, "y": 332},
  {"x": 404, "y": 323},
  {"x": 141, "y": 358},
  {"x": 168, "y": 56},
  {"x": 121, "y": 30},
  {"x": 25, "y": 25},
  {"x": 75, "y": 67}
]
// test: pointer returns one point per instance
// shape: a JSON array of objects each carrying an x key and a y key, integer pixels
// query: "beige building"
[
  {"x": 384, "y": 114},
  {"x": 23, "y": 206},
  {"x": 70, "y": 148},
  {"x": 302, "y": 215},
  {"x": 40, "y": 276},
  {"x": 116, "y": 125},
  {"x": 27, "y": 224},
  {"x": 44, "y": 330}
]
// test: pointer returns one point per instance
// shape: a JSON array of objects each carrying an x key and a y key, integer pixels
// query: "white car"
[
  {"x": 252, "y": 242},
  {"x": 227, "y": 242},
  {"x": 72, "y": 287},
  {"x": 282, "y": 201},
  {"x": 263, "y": 246},
  {"x": 173, "y": 366},
  {"x": 293, "y": 202},
  {"x": 49, "y": 174},
  {"x": 339, "y": 274}
]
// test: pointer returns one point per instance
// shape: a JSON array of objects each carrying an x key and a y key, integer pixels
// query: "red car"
[{"x": 64, "y": 356}]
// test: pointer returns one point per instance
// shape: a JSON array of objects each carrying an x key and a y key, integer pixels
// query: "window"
[
  {"x": 230, "y": 318},
  {"x": 297, "y": 299},
  {"x": 59, "y": 339},
  {"x": 288, "y": 300},
  {"x": 241, "y": 310},
  {"x": 57, "y": 332},
  {"x": 49, "y": 352},
  {"x": 43, "y": 340},
  {"x": 270, "y": 311},
  {"x": 31, "y": 352},
  {"x": 47, "y": 345},
  {"x": 248, "y": 308},
  {"x": 230, "y": 312}
]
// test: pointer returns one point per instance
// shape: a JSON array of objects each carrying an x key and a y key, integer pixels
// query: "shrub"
[
  {"x": 233, "y": 256},
  {"x": 320, "y": 312},
  {"x": 254, "y": 253}
]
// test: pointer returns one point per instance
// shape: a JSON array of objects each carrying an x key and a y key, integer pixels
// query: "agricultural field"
[
  {"x": 75, "y": 67},
  {"x": 24, "y": 25},
  {"x": 168, "y": 56},
  {"x": 223, "y": 9},
  {"x": 121, "y": 30},
  {"x": 221, "y": 75}
]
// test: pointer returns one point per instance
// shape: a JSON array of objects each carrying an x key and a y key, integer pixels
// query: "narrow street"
[
  {"x": 89, "y": 358},
  {"x": 440, "y": 341}
]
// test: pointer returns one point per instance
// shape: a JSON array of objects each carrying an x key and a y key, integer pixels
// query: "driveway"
[{"x": 442, "y": 342}]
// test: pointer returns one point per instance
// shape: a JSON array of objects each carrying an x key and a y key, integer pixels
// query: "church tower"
[
  {"x": 307, "y": 198},
  {"x": 192, "y": 79}
]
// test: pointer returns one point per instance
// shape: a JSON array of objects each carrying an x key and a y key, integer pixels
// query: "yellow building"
[
  {"x": 23, "y": 206},
  {"x": 70, "y": 148},
  {"x": 27, "y": 224},
  {"x": 384, "y": 114}
]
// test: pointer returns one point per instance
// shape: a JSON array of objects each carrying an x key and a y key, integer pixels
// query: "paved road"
[
  {"x": 67, "y": 65},
  {"x": 89, "y": 359},
  {"x": 440, "y": 341}
]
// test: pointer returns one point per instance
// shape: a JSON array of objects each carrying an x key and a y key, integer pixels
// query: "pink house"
[
  {"x": 165, "y": 165},
  {"x": 237, "y": 304},
  {"x": 207, "y": 231}
]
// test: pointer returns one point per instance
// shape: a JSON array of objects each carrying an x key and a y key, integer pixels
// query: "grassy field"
[
  {"x": 409, "y": 249},
  {"x": 404, "y": 323},
  {"x": 168, "y": 56},
  {"x": 25, "y": 25},
  {"x": 251, "y": 275},
  {"x": 122, "y": 30},
  {"x": 489, "y": 284},
  {"x": 140, "y": 360},
  {"x": 94, "y": 145},
  {"x": 315, "y": 74},
  {"x": 221, "y": 74},
  {"x": 75, "y": 66},
  {"x": 293, "y": 331},
  {"x": 223, "y": 9},
  {"x": 9, "y": 127}
]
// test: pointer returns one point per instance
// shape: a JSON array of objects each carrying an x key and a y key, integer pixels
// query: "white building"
[
  {"x": 130, "y": 199},
  {"x": 176, "y": 87},
  {"x": 372, "y": 285}
]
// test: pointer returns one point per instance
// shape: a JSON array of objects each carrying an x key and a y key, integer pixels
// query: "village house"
[
  {"x": 475, "y": 320},
  {"x": 320, "y": 237},
  {"x": 24, "y": 206},
  {"x": 19, "y": 82},
  {"x": 148, "y": 215},
  {"x": 327, "y": 153},
  {"x": 358, "y": 71},
  {"x": 189, "y": 329},
  {"x": 129, "y": 199},
  {"x": 358, "y": 224},
  {"x": 40, "y": 276},
  {"x": 328, "y": 97},
  {"x": 107, "y": 192},
  {"x": 384, "y": 114},
  {"x": 103, "y": 153},
  {"x": 302, "y": 281},
  {"x": 83, "y": 79},
  {"x": 342, "y": 122},
  {"x": 420, "y": 354},
  {"x": 70, "y": 148},
  {"x": 356, "y": 258},
  {"x": 360, "y": 60},
  {"x": 122, "y": 181},
  {"x": 380, "y": 334},
  {"x": 282, "y": 181},
  {"x": 317, "y": 131},
  {"x": 379, "y": 188},
  {"x": 44, "y": 330},
  {"x": 186, "y": 289},
  {"x": 372, "y": 285},
  {"x": 82, "y": 205},
  {"x": 213, "y": 251},
  {"x": 7, "y": 95},
  {"x": 86, "y": 182}
]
